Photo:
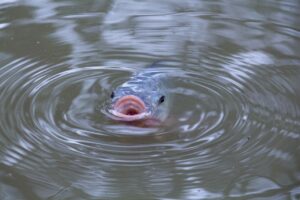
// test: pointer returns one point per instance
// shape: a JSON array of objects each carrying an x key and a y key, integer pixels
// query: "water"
[{"x": 233, "y": 130}]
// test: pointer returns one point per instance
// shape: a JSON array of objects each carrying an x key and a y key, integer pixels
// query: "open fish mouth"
[{"x": 129, "y": 108}]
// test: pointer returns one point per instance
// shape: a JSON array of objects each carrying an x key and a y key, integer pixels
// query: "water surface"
[{"x": 233, "y": 130}]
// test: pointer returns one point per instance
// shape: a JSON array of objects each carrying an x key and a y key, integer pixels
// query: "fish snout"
[{"x": 129, "y": 107}]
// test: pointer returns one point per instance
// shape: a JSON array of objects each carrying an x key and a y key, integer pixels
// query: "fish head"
[{"x": 138, "y": 101}]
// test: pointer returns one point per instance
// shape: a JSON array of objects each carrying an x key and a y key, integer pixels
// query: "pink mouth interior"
[{"x": 129, "y": 108}]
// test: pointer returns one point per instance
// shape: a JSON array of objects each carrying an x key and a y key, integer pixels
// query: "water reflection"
[{"x": 233, "y": 130}]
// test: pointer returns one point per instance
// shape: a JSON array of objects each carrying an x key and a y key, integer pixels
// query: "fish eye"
[
  {"x": 161, "y": 99},
  {"x": 112, "y": 95}
]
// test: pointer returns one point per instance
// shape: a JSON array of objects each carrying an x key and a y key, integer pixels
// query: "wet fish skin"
[{"x": 149, "y": 86}]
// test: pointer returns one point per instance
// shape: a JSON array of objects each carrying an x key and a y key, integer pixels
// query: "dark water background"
[{"x": 234, "y": 125}]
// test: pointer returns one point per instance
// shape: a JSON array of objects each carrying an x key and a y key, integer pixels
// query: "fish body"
[{"x": 142, "y": 98}]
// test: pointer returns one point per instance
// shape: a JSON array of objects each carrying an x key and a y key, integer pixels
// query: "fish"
[{"x": 143, "y": 99}]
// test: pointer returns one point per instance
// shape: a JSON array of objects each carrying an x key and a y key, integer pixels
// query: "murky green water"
[{"x": 233, "y": 130}]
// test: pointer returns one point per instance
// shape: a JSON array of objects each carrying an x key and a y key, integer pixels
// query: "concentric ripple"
[{"x": 225, "y": 117}]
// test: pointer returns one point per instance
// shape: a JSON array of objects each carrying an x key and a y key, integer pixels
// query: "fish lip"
[
  {"x": 122, "y": 117},
  {"x": 129, "y": 108}
]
